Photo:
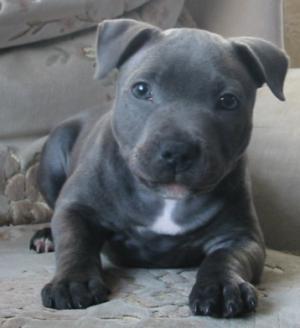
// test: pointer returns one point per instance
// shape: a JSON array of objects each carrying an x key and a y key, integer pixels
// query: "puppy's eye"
[
  {"x": 142, "y": 90},
  {"x": 228, "y": 101}
]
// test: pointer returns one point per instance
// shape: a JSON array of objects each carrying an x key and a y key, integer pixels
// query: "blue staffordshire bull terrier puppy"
[{"x": 160, "y": 179}]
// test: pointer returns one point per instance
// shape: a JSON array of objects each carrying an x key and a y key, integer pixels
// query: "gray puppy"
[{"x": 159, "y": 180}]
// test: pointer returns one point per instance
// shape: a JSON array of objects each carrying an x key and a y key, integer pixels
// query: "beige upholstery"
[
  {"x": 262, "y": 18},
  {"x": 275, "y": 164},
  {"x": 44, "y": 83},
  {"x": 23, "y": 22},
  {"x": 291, "y": 10}
]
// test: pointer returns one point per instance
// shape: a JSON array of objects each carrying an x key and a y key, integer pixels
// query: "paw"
[
  {"x": 226, "y": 299},
  {"x": 71, "y": 294},
  {"x": 42, "y": 241}
]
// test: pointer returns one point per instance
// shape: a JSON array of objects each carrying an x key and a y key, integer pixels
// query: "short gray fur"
[{"x": 108, "y": 177}]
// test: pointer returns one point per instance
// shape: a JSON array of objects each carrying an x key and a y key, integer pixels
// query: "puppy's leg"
[
  {"x": 52, "y": 174},
  {"x": 223, "y": 284},
  {"x": 78, "y": 281}
]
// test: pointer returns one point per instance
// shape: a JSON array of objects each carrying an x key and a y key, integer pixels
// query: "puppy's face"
[
  {"x": 183, "y": 111},
  {"x": 183, "y": 107}
]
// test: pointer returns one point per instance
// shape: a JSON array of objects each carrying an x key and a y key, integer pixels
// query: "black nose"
[{"x": 178, "y": 156}]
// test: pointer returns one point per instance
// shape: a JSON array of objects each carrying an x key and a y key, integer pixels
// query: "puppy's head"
[{"x": 182, "y": 114}]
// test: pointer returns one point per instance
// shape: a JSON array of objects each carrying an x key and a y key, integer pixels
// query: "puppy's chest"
[
  {"x": 174, "y": 227},
  {"x": 165, "y": 222},
  {"x": 176, "y": 218}
]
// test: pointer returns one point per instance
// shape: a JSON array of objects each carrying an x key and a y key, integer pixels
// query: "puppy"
[{"x": 160, "y": 179}]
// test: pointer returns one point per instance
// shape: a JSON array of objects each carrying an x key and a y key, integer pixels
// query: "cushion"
[{"x": 25, "y": 21}]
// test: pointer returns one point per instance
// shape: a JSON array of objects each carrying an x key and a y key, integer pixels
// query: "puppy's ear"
[
  {"x": 117, "y": 40},
  {"x": 265, "y": 62}
]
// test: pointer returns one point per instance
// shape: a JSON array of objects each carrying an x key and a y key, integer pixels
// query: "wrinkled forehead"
[
  {"x": 193, "y": 56},
  {"x": 198, "y": 46}
]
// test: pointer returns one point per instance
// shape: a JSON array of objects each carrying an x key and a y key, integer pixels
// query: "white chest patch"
[{"x": 164, "y": 224}]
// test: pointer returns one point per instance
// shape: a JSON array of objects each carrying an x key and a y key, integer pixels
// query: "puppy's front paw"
[
  {"x": 223, "y": 299},
  {"x": 42, "y": 241},
  {"x": 72, "y": 294}
]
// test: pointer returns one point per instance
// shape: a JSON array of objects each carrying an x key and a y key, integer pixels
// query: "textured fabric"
[
  {"x": 292, "y": 30},
  {"x": 275, "y": 164},
  {"x": 20, "y": 200},
  {"x": 30, "y": 21},
  {"x": 261, "y": 18},
  {"x": 41, "y": 84}
]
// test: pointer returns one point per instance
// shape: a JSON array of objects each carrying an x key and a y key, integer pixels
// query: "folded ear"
[
  {"x": 265, "y": 62},
  {"x": 119, "y": 39}
]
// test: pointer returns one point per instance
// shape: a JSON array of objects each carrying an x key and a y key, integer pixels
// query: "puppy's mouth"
[
  {"x": 171, "y": 190},
  {"x": 175, "y": 190},
  {"x": 174, "y": 187}
]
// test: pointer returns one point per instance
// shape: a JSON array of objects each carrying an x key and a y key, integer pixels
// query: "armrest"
[{"x": 274, "y": 156}]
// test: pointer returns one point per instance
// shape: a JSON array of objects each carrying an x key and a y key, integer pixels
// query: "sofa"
[{"x": 46, "y": 74}]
